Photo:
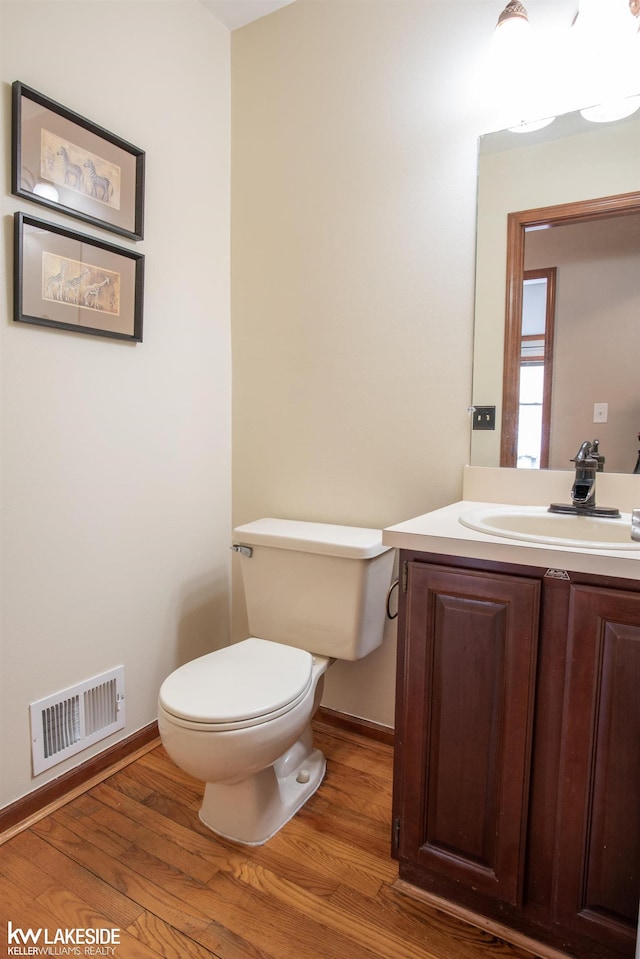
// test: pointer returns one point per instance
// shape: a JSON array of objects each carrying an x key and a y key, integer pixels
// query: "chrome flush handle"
[
  {"x": 635, "y": 525},
  {"x": 243, "y": 550}
]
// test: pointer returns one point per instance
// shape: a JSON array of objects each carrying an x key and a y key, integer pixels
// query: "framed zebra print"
[
  {"x": 65, "y": 162},
  {"x": 73, "y": 282}
]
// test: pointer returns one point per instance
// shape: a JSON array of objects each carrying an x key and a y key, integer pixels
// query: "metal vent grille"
[
  {"x": 71, "y": 720},
  {"x": 60, "y": 726},
  {"x": 100, "y": 706}
]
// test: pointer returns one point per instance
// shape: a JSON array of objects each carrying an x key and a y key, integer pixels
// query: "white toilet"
[{"x": 239, "y": 719}]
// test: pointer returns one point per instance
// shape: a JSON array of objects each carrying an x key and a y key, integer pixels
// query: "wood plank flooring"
[{"x": 131, "y": 854}]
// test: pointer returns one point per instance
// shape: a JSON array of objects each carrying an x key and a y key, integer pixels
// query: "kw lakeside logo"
[{"x": 61, "y": 942}]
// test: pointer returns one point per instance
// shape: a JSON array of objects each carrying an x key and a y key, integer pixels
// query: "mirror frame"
[{"x": 517, "y": 225}]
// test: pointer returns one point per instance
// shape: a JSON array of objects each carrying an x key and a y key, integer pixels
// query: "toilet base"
[{"x": 253, "y": 810}]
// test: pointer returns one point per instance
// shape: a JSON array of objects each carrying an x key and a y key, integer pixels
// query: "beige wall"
[
  {"x": 354, "y": 133},
  {"x": 116, "y": 458}
]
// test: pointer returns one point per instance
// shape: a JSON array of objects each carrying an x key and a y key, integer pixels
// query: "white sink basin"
[{"x": 534, "y": 524}]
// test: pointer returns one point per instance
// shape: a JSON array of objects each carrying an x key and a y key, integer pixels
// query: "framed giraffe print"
[
  {"x": 65, "y": 162},
  {"x": 73, "y": 282}
]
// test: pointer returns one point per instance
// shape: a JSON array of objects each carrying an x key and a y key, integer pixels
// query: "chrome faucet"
[
  {"x": 583, "y": 491},
  {"x": 589, "y": 462}
]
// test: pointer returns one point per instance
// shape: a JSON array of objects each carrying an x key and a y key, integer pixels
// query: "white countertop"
[{"x": 440, "y": 532}]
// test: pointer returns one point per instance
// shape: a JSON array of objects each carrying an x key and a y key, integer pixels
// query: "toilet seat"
[{"x": 243, "y": 685}]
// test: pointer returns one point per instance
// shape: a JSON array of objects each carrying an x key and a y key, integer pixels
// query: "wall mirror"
[{"x": 558, "y": 249}]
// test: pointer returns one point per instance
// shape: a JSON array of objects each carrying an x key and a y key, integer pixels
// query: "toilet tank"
[{"x": 315, "y": 586}]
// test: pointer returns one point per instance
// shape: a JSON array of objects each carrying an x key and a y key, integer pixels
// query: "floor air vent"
[{"x": 75, "y": 718}]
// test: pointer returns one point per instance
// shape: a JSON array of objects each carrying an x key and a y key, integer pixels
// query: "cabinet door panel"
[
  {"x": 472, "y": 645},
  {"x": 598, "y": 865}
]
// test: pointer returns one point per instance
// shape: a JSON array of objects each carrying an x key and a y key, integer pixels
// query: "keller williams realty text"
[{"x": 65, "y": 942}]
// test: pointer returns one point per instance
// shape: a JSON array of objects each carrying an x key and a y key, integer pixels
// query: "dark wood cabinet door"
[
  {"x": 466, "y": 727},
  {"x": 598, "y": 853}
]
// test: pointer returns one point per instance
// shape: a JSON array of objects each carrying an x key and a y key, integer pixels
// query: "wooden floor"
[{"x": 131, "y": 854}]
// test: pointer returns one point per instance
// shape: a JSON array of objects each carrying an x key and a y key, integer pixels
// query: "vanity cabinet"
[{"x": 517, "y": 769}]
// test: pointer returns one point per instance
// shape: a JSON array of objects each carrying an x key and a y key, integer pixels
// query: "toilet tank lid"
[{"x": 352, "y": 542}]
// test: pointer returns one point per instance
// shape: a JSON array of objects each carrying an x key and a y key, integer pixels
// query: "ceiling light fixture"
[
  {"x": 607, "y": 53},
  {"x": 512, "y": 27},
  {"x": 598, "y": 64},
  {"x": 512, "y": 13}
]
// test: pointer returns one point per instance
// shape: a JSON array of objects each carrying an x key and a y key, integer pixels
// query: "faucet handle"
[{"x": 635, "y": 525}]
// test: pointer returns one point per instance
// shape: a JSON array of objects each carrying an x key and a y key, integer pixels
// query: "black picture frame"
[
  {"x": 65, "y": 162},
  {"x": 69, "y": 281}
]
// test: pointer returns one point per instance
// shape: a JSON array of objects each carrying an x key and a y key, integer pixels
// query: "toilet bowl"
[{"x": 239, "y": 719}]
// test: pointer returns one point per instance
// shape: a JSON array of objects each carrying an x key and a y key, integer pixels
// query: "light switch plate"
[
  {"x": 484, "y": 418},
  {"x": 600, "y": 412}
]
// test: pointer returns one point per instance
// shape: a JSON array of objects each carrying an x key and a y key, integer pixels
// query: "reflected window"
[
  {"x": 530, "y": 415},
  {"x": 536, "y": 368}
]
